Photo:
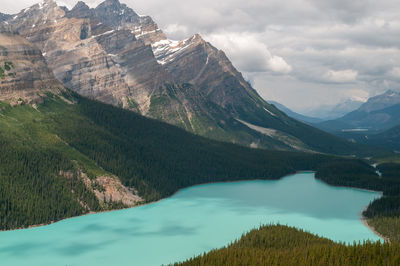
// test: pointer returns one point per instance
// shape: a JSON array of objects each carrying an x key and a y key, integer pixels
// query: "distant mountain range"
[
  {"x": 329, "y": 112},
  {"x": 378, "y": 113},
  {"x": 112, "y": 54},
  {"x": 292, "y": 114}
]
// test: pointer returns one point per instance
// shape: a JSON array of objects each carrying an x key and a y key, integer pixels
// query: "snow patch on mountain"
[{"x": 167, "y": 50}]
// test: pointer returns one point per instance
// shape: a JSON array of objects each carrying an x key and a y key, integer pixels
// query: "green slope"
[
  {"x": 389, "y": 139},
  {"x": 317, "y": 140}
]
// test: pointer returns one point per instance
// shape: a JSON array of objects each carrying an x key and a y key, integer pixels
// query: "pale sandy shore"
[{"x": 364, "y": 220}]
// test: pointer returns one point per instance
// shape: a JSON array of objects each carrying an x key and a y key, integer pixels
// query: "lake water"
[{"x": 191, "y": 222}]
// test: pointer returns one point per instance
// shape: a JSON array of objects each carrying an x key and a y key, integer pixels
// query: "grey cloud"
[{"x": 347, "y": 11}]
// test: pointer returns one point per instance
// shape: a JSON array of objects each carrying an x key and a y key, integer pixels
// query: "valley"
[{"x": 100, "y": 111}]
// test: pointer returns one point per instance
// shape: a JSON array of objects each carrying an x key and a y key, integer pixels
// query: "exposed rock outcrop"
[
  {"x": 114, "y": 191},
  {"x": 107, "y": 189}
]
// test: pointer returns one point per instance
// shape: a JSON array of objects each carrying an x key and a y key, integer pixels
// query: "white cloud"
[
  {"x": 248, "y": 53},
  {"x": 277, "y": 64},
  {"x": 176, "y": 31},
  {"x": 341, "y": 76},
  {"x": 395, "y": 73}
]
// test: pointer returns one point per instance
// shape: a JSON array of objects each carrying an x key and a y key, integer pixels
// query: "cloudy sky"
[{"x": 302, "y": 53}]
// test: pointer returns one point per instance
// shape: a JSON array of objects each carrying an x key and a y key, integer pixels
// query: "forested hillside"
[
  {"x": 384, "y": 213},
  {"x": 389, "y": 139},
  {"x": 68, "y": 133},
  {"x": 281, "y": 245}
]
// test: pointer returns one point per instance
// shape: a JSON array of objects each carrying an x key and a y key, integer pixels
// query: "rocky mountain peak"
[
  {"x": 42, "y": 14},
  {"x": 46, "y": 5},
  {"x": 391, "y": 93},
  {"x": 197, "y": 38},
  {"x": 110, "y": 3},
  {"x": 167, "y": 50},
  {"x": 115, "y": 14},
  {"x": 81, "y": 6},
  {"x": 80, "y": 10},
  {"x": 387, "y": 99}
]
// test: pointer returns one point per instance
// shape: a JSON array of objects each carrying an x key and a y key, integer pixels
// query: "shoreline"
[
  {"x": 78, "y": 216},
  {"x": 149, "y": 203},
  {"x": 356, "y": 188},
  {"x": 363, "y": 219}
]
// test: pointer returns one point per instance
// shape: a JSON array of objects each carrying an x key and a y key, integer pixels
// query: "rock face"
[
  {"x": 114, "y": 191},
  {"x": 112, "y": 54},
  {"x": 24, "y": 74},
  {"x": 107, "y": 189}
]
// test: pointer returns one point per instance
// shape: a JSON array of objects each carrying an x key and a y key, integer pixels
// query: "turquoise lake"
[{"x": 191, "y": 222}]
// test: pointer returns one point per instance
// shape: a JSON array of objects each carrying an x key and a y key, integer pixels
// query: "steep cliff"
[{"x": 24, "y": 75}]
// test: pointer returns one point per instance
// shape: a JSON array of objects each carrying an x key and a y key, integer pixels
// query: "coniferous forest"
[{"x": 281, "y": 245}]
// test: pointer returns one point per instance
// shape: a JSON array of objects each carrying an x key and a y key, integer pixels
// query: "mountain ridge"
[
  {"x": 295, "y": 115},
  {"x": 331, "y": 112},
  {"x": 378, "y": 113},
  {"x": 111, "y": 54}
]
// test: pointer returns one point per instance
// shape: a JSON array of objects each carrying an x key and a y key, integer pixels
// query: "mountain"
[
  {"x": 4, "y": 17},
  {"x": 65, "y": 155},
  {"x": 329, "y": 112},
  {"x": 382, "y": 101},
  {"x": 292, "y": 114},
  {"x": 23, "y": 70},
  {"x": 111, "y": 54},
  {"x": 118, "y": 16},
  {"x": 389, "y": 139},
  {"x": 378, "y": 113}
]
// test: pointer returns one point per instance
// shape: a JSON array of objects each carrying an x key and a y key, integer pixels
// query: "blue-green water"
[{"x": 193, "y": 221}]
